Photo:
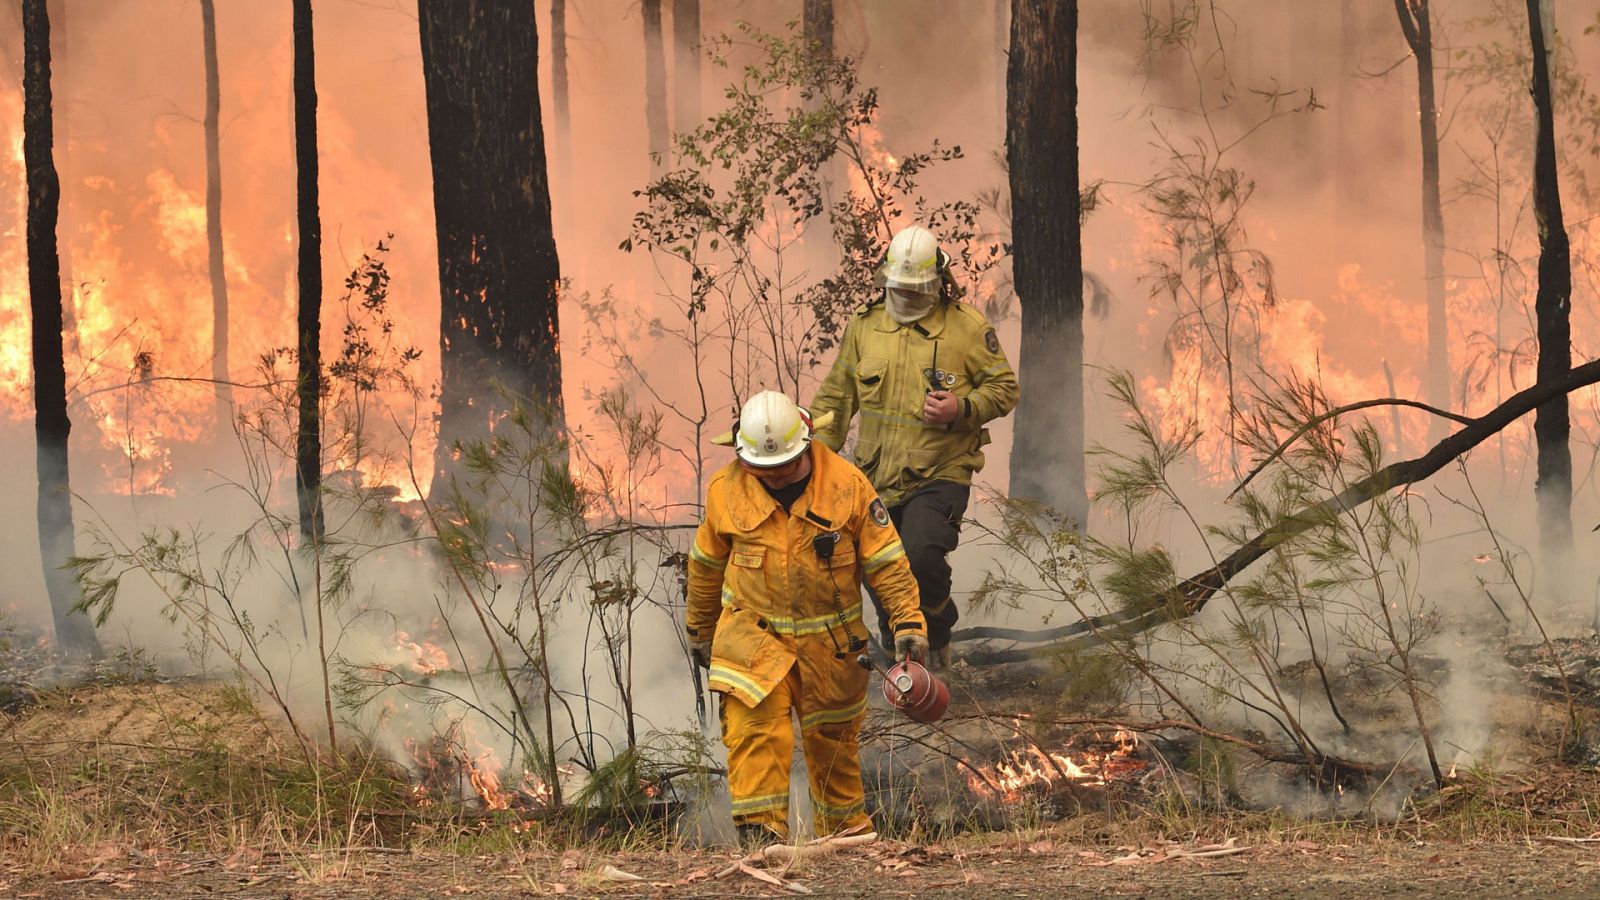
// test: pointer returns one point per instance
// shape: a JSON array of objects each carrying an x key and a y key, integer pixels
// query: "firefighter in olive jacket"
[
  {"x": 926, "y": 373},
  {"x": 774, "y": 610}
]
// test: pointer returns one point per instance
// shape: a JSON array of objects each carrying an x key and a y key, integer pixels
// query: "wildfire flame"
[
  {"x": 424, "y": 656},
  {"x": 1036, "y": 769}
]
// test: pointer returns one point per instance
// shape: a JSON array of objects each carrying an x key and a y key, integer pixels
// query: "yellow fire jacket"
[
  {"x": 760, "y": 590},
  {"x": 883, "y": 371}
]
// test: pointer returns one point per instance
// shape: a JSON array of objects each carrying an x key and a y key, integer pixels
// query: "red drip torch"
[{"x": 912, "y": 689}]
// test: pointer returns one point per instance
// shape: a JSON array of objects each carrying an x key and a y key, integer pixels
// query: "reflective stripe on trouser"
[
  {"x": 929, "y": 522},
  {"x": 760, "y": 743}
]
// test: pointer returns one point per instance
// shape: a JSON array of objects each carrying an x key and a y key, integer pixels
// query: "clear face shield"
[{"x": 906, "y": 306}]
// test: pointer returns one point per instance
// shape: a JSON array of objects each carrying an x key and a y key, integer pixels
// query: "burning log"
[{"x": 1189, "y": 596}]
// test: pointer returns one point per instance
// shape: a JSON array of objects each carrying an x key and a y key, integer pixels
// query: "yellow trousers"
[{"x": 760, "y": 742}]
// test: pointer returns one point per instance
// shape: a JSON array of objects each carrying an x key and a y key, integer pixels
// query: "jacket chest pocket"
[
  {"x": 747, "y": 574},
  {"x": 872, "y": 377},
  {"x": 844, "y": 556}
]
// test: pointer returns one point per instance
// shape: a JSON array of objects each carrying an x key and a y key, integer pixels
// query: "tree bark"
[
  {"x": 498, "y": 268},
  {"x": 559, "y": 90},
  {"x": 1416, "y": 24},
  {"x": 686, "y": 64},
  {"x": 219, "y": 276},
  {"x": 655, "y": 82},
  {"x": 816, "y": 26},
  {"x": 52, "y": 426},
  {"x": 308, "y": 440},
  {"x": 1552, "y": 305},
  {"x": 1191, "y": 594},
  {"x": 1002, "y": 46},
  {"x": 1047, "y": 462},
  {"x": 59, "y": 40}
]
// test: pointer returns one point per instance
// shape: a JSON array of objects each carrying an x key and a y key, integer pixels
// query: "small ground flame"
[{"x": 1035, "y": 769}]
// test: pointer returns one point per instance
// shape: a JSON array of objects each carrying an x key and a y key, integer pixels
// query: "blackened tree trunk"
[
  {"x": 51, "y": 424},
  {"x": 498, "y": 269},
  {"x": 1047, "y": 256},
  {"x": 1002, "y": 47},
  {"x": 1418, "y": 29},
  {"x": 816, "y": 26},
  {"x": 686, "y": 64},
  {"x": 655, "y": 81},
  {"x": 219, "y": 277},
  {"x": 559, "y": 90},
  {"x": 1552, "y": 306},
  {"x": 308, "y": 443},
  {"x": 60, "y": 42}
]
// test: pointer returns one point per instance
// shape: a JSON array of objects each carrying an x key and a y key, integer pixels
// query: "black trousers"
[{"x": 929, "y": 522}]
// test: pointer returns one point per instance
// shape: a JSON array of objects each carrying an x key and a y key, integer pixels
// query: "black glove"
[{"x": 700, "y": 652}]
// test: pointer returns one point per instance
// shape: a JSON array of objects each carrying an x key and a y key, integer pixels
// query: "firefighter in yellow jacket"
[
  {"x": 926, "y": 373},
  {"x": 774, "y": 610}
]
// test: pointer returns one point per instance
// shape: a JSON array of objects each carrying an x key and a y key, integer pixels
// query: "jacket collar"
[
  {"x": 929, "y": 326},
  {"x": 827, "y": 497}
]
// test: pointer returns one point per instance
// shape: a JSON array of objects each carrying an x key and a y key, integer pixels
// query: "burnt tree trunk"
[
  {"x": 59, "y": 40},
  {"x": 816, "y": 26},
  {"x": 1552, "y": 306},
  {"x": 57, "y": 541},
  {"x": 1418, "y": 29},
  {"x": 498, "y": 269},
  {"x": 686, "y": 64},
  {"x": 308, "y": 440},
  {"x": 1002, "y": 47},
  {"x": 1047, "y": 256},
  {"x": 560, "y": 92},
  {"x": 219, "y": 276},
  {"x": 655, "y": 82}
]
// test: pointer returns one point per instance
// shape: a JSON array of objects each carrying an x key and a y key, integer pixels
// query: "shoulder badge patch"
[
  {"x": 990, "y": 341},
  {"x": 879, "y": 514}
]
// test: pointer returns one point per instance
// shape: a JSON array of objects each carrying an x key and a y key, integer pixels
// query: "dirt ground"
[
  {"x": 111, "y": 749},
  {"x": 991, "y": 868}
]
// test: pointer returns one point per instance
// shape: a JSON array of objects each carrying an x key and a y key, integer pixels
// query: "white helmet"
[
  {"x": 772, "y": 430},
  {"x": 912, "y": 263}
]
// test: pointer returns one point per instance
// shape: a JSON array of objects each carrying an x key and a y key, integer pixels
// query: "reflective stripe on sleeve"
[
  {"x": 888, "y": 554},
  {"x": 704, "y": 559}
]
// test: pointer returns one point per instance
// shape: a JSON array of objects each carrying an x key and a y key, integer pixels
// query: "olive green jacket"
[{"x": 883, "y": 371}]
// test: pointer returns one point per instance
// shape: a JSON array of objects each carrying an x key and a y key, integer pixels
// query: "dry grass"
[
  {"x": 103, "y": 773},
  {"x": 177, "y": 767}
]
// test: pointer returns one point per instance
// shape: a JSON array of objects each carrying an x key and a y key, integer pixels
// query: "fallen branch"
[
  {"x": 1190, "y": 595},
  {"x": 1335, "y": 413},
  {"x": 1570, "y": 841},
  {"x": 790, "y": 855}
]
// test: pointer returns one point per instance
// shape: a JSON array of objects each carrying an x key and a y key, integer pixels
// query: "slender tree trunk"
[
  {"x": 560, "y": 92},
  {"x": 1002, "y": 47},
  {"x": 1417, "y": 25},
  {"x": 1047, "y": 256},
  {"x": 686, "y": 63},
  {"x": 655, "y": 82},
  {"x": 498, "y": 268},
  {"x": 219, "y": 277},
  {"x": 816, "y": 26},
  {"x": 308, "y": 443},
  {"x": 1552, "y": 305},
  {"x": 51, "y": 424},
  {"x": 71, "y": 346}
]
